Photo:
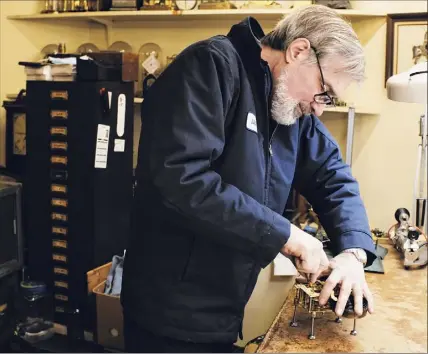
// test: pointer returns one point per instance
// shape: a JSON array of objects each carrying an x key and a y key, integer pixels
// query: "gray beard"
[{"x": 285, "y": 109}]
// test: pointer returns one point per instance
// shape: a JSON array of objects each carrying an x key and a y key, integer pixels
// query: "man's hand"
[
  {"x": 349, "y": 273},
  {"x": 308, "y": 252}
]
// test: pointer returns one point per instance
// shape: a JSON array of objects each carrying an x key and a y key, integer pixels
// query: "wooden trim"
[
  {"x": 171, "y": 15},
  {"x": 391, "y": 20}
]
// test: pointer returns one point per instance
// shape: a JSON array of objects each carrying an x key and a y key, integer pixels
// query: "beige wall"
[{"x": 384, "y": 148}]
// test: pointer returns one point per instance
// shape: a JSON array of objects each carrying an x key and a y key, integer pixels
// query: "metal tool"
[{"x": 409, "y": 240}]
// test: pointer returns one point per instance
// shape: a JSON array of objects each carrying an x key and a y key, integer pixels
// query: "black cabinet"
[{"x": 78, "y": 186}]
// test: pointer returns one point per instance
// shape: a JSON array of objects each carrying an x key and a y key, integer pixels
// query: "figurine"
[{"x": 307, "y": 298}]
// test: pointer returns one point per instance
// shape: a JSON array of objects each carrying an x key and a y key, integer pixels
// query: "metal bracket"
[
  {"x": 350, "y": 135},
  {"x": 108, "y": 25}
]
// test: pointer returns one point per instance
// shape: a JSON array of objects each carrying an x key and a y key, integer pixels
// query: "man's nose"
[{"x": 317, "y": 108}]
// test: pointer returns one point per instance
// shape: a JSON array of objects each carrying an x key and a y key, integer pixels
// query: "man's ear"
[{"x": 298, "y": 50}]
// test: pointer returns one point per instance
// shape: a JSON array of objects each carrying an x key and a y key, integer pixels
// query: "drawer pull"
[
  {"x": 59, "y": 202},
  {"x": 59, "y": 159},
  {"x": 59, "y": 270},
  {"x": 59, "y": 95},
  {"x": 59, "y": 216},
  {"x": 61, "y": 284},
  {"x": 59, "y": 243},
  {"x": 59, "y": 257},
  {"x": 58, "y": 188},
  {"x": 61, "y": 297},
  {"x": 59, "y": 114},
  {"x": 58, "y": 145},
  {"x": 59, "y": 131},
  {"x": 59, "y": 230}
]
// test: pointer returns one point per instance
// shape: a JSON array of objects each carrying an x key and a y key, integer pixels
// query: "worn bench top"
[{"x": 399, "y": 323}]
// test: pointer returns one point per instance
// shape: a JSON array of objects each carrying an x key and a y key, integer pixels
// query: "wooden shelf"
[
  {"x": 358, "y": 110},
  {"x": 138, "y": 100},
  {"x": 166, "y": 15}
]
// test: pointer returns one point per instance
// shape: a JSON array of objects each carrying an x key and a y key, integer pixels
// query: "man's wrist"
[{"x": 359, "y": 254}]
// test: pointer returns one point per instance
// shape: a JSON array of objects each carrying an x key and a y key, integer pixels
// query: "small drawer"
[
  {"x": 59, "y": 145},
  {"x": 58, "y": 257},
  {"x": 59, "y": 217},
  {"x": 59, "y": 114},
  {"x": 59, "y": 230},
  {"x": 59, "y": 202},
  {"x": 58, "y": 131},
  {"x": 60, "y": 271},
  {"x": 59, "y": 160},
  {"x": 59, "y": 243},
  {"x": 59, "y": 95}
]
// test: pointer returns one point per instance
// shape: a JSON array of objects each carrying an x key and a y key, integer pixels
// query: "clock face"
[{"x": 186, "y": 4}]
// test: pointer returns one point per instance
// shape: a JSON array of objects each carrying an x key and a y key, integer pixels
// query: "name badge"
[{"x": 251, "y": 122}]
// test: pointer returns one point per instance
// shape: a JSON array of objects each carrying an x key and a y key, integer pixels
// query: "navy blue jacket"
[{"x": 213, "y": 178}]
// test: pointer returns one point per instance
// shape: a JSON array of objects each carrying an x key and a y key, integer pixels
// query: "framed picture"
[{"x": 406, "y": 41}]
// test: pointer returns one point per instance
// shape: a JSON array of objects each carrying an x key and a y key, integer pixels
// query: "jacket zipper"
[
  {"x": 268, "y": 166},
  {"x": 270, "y": 150},
  {"x": 270, "y": 143}
]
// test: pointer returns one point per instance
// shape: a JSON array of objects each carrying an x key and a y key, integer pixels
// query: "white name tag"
[{"x": 251, "y": 122}]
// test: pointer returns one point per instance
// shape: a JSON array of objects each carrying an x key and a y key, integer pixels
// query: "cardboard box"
[
  {"x": 96, "y": 276},
  {"x": 109, "y": 319}
]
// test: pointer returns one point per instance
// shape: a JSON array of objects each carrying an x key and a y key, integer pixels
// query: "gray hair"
[{"x": 330, "y": 35}]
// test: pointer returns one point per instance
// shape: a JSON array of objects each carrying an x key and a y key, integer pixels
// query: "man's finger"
[
  {"x": 307, "y": 265},
  {"x": 358, "y": 299},
  {"x": 369, "y": 297},
  {"x": 331, "y": 282},
  {"x": 345, "y": 291},
  {"x": 325, "y": 263},
  {"x": 315, "y": 276},
  {"x": 322, "y": 271}
]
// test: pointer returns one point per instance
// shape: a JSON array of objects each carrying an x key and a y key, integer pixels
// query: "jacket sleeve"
[
  {"x": 189, "y": 117},
  {"x": 327, "y": 183}
]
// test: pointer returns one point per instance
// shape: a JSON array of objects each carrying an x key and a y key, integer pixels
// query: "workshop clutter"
[{"x": 409, "y": 239}]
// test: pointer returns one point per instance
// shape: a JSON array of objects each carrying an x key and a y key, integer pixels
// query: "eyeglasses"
[{"x": 323, "y": 97}]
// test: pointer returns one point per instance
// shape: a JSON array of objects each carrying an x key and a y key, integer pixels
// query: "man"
[{"x": 228, "y": 130}]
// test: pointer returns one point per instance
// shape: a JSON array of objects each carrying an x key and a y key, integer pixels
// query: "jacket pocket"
[{"x": 217, "y": 270}]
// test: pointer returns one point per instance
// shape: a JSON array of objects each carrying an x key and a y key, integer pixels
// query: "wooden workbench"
[{"x": 399, "y": 323}]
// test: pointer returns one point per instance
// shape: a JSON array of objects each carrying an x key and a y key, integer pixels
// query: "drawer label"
[
  {"x": 61, "y": 297},
  {"x": 59, "y": 230},
  {"x": 58, "y": 145},
  {"x": 59, "y": 131},
  {"x": 59, "y": 243},
  {"x": 61, "y": 284},
  {"x": 59, "y": 270},
  {"x": 59, "y": 216},
  {"x": 59, "y": 159},
  {"x": 59, "y": 202},
  {"x": 59, "y": 95},
  {"x": 59, "y": 257},
  {"x": 58, "y": 188},
  {"x": 59, "y": 114}
]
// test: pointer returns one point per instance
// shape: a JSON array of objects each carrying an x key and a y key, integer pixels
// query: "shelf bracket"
[
  {"x": 108, "y": 26},
  {"x": 350, "y": 135}
]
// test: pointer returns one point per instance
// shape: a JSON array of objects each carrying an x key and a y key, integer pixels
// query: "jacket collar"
[{"x": 245, "y": 37}]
